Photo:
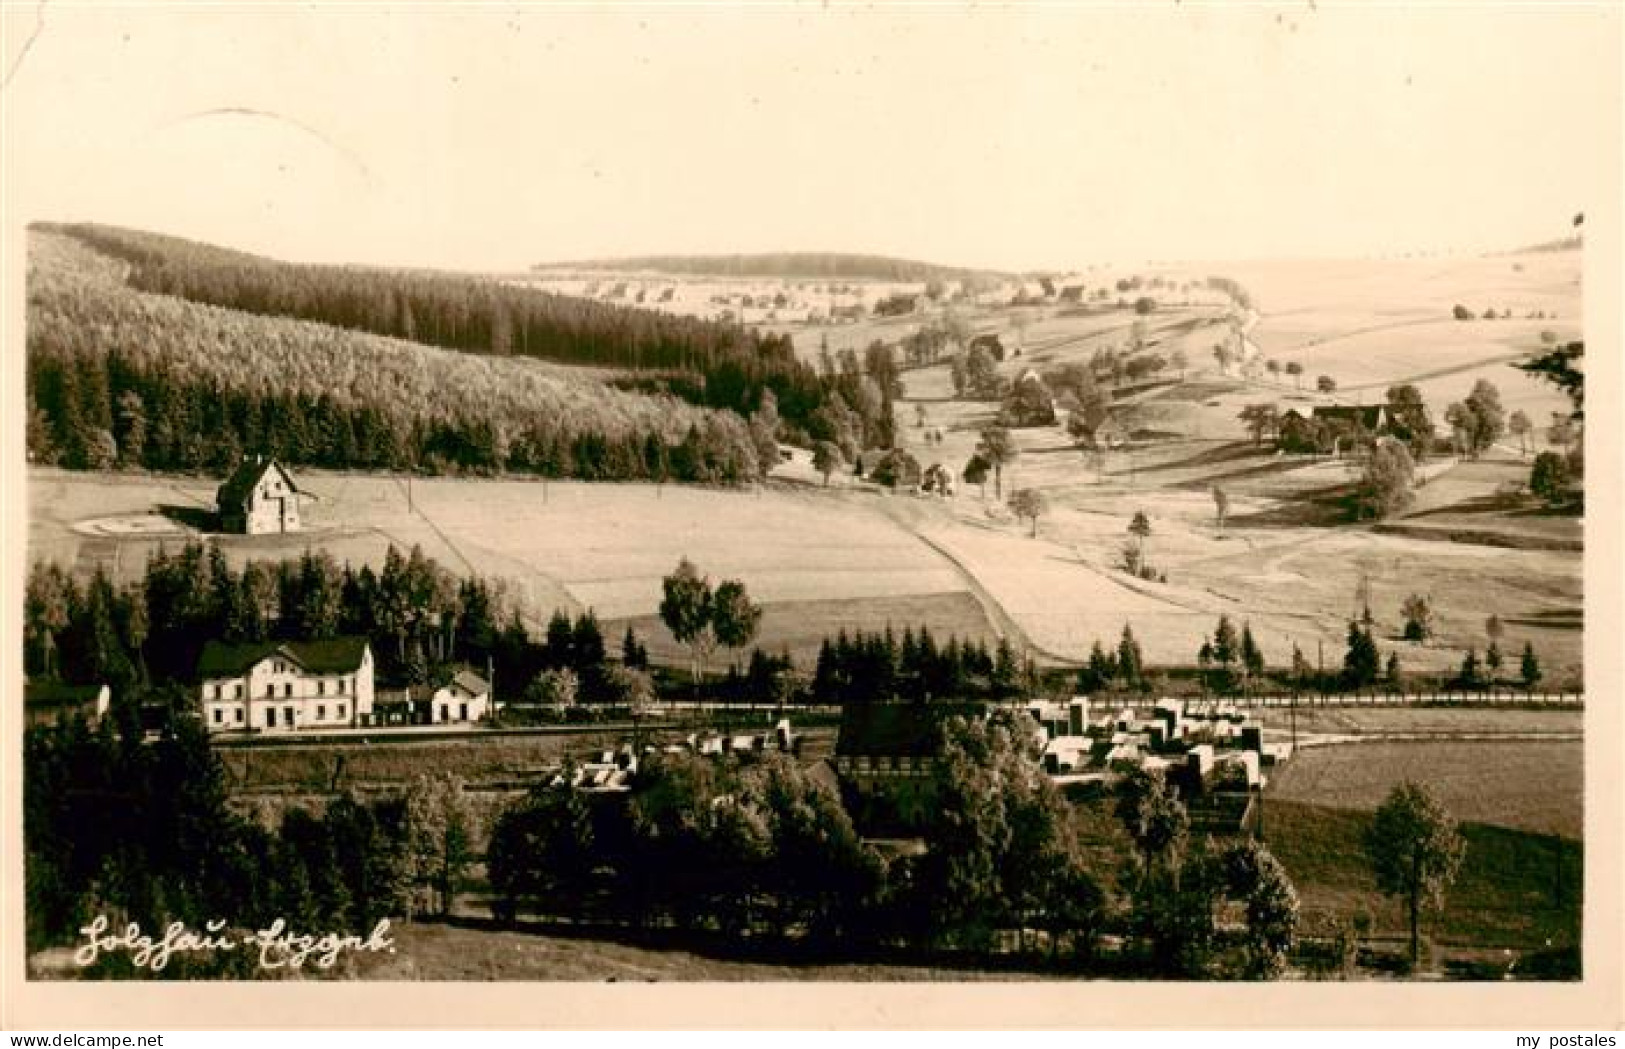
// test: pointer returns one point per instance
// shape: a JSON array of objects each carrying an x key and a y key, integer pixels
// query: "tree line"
[
  {"x": 143, "y": 639},
  {"x": 879, "y": 667}
]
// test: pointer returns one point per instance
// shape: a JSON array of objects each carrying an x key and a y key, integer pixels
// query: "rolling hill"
[{"x": 123, "y": 377}]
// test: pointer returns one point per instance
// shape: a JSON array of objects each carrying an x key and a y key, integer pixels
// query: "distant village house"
[{"x": 260, "y": 498}]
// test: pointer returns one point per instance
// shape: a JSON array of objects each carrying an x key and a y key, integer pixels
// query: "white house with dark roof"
[
  {"x": 259, "y": 498},
  {"x": 466, "y": 697},
  {"x": 55, "y": 703},
  {"x": 286, "y": 687}
]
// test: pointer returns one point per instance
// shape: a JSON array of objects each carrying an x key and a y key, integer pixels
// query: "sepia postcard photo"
[{"x": 811, "y": 515}]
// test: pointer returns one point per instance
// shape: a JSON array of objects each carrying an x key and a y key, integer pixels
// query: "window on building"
[
  {"x": 444, "y": 713},
  {"x": 237, "y": 690},
  {"x": 270, "y": 689},
  {"x": 321, "y": 687},
  {"x": 270, "y": 717},
  {"x": 239, "y": 715},
  {"x": 217, "y": 716},
  {"x": 321, "y": 712},
  {"x": 341, "y": 685},
  {"x": 341, "y": 712},
  {"x": 287, "y": 690},
  {"x": 462, "y": 712}
]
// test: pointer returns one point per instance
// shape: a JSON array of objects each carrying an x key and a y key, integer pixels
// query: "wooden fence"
[{"x": 1307, "y": 700}]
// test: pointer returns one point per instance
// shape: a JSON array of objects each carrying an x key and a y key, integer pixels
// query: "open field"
[
  {"x": 1517, "y": 890},
  {"x": 481, "y": 759},
  {"x": 1441, "y": 720},
  {"x": 1309, "y": 299},
  {"x": 1530, "y": 785},
  {"x": 850, "y": 557},
  {"x": 1521, "y": 881},
  {"x": 566, "y": 545},
  {"x": 445, "y": 952}
]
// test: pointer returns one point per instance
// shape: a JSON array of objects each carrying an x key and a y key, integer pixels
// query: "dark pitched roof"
[
  {"x": 234, "y": 493},
  {"x": 470, "y": 682},
  {"x": 1370, "y": 416},
  {"x": 51, "y": 694},
  {"x": 897, "y": 729},
  {"x": 337, "y": 655},
  {"x": 823, "y": 773}
]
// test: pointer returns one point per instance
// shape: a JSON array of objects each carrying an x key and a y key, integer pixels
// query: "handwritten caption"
[{"x": 279, "y": 947}]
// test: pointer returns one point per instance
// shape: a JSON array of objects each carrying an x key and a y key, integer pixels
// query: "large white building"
[{"x": 285, "y": 687}]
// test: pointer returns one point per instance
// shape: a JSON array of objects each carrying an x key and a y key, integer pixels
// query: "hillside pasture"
[
  {"x": 1486, "y": 499},
  {"x": 433, "y": 951},
  {"x": 1312, "y": 298},
  {"x": 1318, "y": 572},
  {"x": 1065, "y": 598},
  {"x": 563, "y": 545},
  {"x": 1538, "y": 785},
  {"x": 1474, "y": 720},
  {"x": 1517, "y": 891},
  {"x": 1520, "y": 804}
]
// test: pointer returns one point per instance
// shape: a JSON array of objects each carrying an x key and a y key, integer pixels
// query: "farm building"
[
  {"x": 1373, "y": 418},
  {"x": 283, "y": 687},
  {"x": 259, "y": 498},
  {"x": 55, "y": 703},
  {"x": 1327, "y": 425}
]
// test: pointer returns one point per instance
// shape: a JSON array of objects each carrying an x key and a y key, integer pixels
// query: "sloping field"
[
  {"x": 1318, "y": 572},
  {"x": 1384, "y": 356},
  {"x": 1517, "y": 890},
  {"x": 610, "y": 545},
  {"x": 427, "y": 951},
  {"x": 1537, "y": 785},
  {"x": 1064, "y": 603},
  {"x": 1312, "y": 299},
  {"x": 564, "y": 545},
  {"x": 1475, "y": 501},
  {"x": 1521, "y": 808},
  {"x": 1449, "y": 720}
]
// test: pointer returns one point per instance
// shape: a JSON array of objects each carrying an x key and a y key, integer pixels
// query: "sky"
[{"x": 1020, "y": 138}]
